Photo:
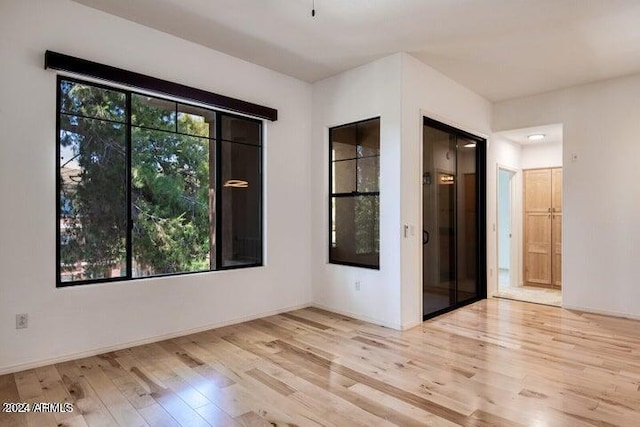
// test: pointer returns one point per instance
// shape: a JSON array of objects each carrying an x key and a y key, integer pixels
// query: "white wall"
[
  {"x": 426, "y": 92},
  {"x": 80, "y": 319},
  {"x": 542, "y": 155},
  {"x": 601, "y": 234},
  {"x": 401, "y": 90},
  {"x": 368, "y": 91},
  {"x": 504, "y": 223}
]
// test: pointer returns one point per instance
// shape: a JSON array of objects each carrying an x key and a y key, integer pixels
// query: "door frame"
[
  {"x": 481, "y": 206},
  {"x": 514, "y": 245}
]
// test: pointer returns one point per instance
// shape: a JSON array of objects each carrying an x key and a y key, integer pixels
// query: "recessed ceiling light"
[{"x": 536, "y": 137}]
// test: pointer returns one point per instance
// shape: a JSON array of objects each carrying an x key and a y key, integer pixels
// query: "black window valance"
[{"x": 59, "y": 61}]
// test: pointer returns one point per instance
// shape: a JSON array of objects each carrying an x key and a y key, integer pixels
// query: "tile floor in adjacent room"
[{"x": 533, "y": 294}]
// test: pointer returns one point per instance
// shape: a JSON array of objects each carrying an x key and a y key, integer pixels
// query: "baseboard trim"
[
  {"x": 411, "y": 325},
  {"x": 73, "y": 356},
  {"x": 358, "y": 316},
  {"x": 602, "y": 312}
]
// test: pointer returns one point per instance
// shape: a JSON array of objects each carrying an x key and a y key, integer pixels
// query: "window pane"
[
  {"x": 344, "y": 176},
  {"x": 355, "y": 171},
  {"x": 241, "y": 206},
  {"x": 90, "y": 101},
  {"x": 92, "y": 211},
  {"x": 369, "y": 138},
  {"x": 356, "y": 228},
  {"x": 367, "y": 225},
  {"x": 238, "y": 129},
  {"x": 368, "y": 171},
  {"x": 170, "y": 203},
  {"x": 343, "y": 142},
  {"x": 153, "y": 112},
  {"x": 196, "y": 121},
  {"x": 168, "y": 225}
]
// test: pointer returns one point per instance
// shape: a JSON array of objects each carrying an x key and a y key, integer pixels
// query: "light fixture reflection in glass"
[
  {"x": 446, "y": 179},
  {"x": 536, "y": 137},
  {"x": 470, "y": 145},
  {"x": 236, "y": 183}
]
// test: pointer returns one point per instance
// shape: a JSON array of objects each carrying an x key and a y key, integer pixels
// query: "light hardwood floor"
[{"x": 496, "y": 362}]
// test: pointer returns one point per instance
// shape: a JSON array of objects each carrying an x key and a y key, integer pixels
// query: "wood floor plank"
[
  {"x": 174, "y": 395},
  {"x": 30, "y": 391},
  {"x": 379, "y": 413},
  {"x": 377, "y": 384},
  {"x": 75, "y": 421},
  {"x": 306, "y": 321},
  {"x": 156, "y": 416},
  {"x": 420, "y": 416},
  {"x": 84, "y": 397},
  {"x": 216, "y": 416},
  {"x": 251, "y": 419},
  {"x": 120, "y": 408},
  {"x": 9, "y": 393},
  {"x": 131, "y": 388},
  {"x": 54, "y": 389},
  {"x": 492, "y": 363},
  {"x": 275, "y": 384}
]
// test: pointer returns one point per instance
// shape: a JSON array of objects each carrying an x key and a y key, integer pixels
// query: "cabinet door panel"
[
  {"x": 537, "y": 190},
  {"x": 538, "y": 248}
]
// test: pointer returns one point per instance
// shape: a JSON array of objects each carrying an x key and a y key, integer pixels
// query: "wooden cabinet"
[{"x": 543, "y": 227}]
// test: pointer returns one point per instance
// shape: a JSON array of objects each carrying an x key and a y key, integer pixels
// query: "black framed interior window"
[
  {"x": 354, "y": 202},
  {"x": 149, "y": 186}
]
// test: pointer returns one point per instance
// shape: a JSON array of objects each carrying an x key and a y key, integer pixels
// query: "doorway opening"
[
  {"x": 529, "y": 214},
  {"x": 508, "y": 276},
  {"x": 453, "y": 220}
]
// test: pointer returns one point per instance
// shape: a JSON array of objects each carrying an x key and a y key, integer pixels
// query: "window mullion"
[
  {"x": 355, "y": 174},
  {"x": 218, "y": 191},
  {"x": 176, "y": 118},
  {"x": 129, "y": 243}
]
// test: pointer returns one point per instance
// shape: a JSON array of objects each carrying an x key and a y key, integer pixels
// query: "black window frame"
[
  {"x": 217, "y": 142},
  {"x": 353, "y": 194}
]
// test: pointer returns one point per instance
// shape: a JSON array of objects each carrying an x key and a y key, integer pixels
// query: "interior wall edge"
[
  {"x": 33, "y": 364},
  {"x": 428, "y": 93}
]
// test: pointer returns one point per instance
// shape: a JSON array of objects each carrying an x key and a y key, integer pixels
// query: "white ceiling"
[
  {"x": 552, "y": 134},
  {"x": 500, "y": 49}
]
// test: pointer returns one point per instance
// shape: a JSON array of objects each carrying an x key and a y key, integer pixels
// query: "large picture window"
[
  {"x": 355, "y": 195},
  {"x": 149, "y": 186}
]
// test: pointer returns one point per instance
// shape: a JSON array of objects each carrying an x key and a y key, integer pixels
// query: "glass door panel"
[
  {"x": 467, "y": 220},
  {"x": 438, "y": 220},
  {"x": 450, "y": 219}
]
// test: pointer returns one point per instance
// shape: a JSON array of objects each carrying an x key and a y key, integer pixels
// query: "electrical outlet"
[
  {"x": 357, "y": 285},
  {"x": 22, "y": 321}
]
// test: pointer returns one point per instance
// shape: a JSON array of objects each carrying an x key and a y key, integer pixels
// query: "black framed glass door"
[{"x": 453, "y": 194}]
